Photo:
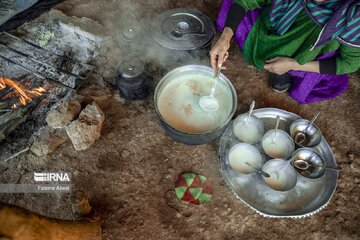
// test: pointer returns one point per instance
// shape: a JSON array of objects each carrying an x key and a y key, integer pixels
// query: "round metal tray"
[{"x": 308, "y": 197}]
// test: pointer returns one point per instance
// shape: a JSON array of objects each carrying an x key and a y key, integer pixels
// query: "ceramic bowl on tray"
[
  {"x": 307, "y": 197},
  {"x": 248, "y": 129},
  {"x": 245, "y": 158},
  {"x": 278, "y": 144}
]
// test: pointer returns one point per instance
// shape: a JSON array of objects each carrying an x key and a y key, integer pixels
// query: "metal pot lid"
[
  {"x": 182, "y": 29},
  {"x": 131, "y": 68}
]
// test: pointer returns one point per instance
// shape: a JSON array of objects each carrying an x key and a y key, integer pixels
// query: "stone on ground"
[
  {"x": 84, "y": 131},
  {"x": 63, "y": 114},
  {"x": 49, "y": 141}
]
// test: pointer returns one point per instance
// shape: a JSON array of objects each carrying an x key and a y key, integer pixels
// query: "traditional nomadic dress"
[{"x": 305, "y": 30}]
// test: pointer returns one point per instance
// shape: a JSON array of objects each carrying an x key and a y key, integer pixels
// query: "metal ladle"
[
  {"x": 305, "y": 165},
  {"x": 310, "y": 164},
  {"x": 301, "y": 136},
  {"x": 210, "y": 103},
  {"x": 252, "y": 106},
  {"x": 258, "y": 170},
  {"x": 276, "y": 128},
  {"x": 179, "y": 34}
]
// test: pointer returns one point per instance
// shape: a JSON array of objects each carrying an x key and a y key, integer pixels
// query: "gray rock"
[
  {"x": 48, "y": 141},
  {"x": 63, "y": 114},
  {"x": 84, "y": 131}
]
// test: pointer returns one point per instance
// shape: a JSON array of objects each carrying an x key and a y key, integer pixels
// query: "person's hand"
[
  {"x": 281, "y": 65},
  {"x": 219, "y": 52}
]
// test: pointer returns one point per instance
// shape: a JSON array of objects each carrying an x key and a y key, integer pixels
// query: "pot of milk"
[{"x": 177, "y": 99}]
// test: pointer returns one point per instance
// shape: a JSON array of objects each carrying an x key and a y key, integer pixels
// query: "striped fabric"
[{"x": 340, "y": 19}]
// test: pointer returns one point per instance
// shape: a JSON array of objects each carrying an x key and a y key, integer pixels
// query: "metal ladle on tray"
[
  {"x": 251, "y": 109},
  {"x": 276, "y": 129},
  {"x": 310, "y": 164},
  {"x": 258, "y": 170},
  {"x": 210, "y": 103},
  {"x": 301, "y": 136},
  {"x": 304, "y": 165}
]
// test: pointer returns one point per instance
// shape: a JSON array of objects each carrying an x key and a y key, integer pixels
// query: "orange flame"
[{"x": 25, "y": 95}]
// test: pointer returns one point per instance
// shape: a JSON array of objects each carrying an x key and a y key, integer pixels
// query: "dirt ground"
[{"x": 134, "y": 163}]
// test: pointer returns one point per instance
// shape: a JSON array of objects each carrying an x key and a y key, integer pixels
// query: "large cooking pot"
[{"x": 177, "y": 104}]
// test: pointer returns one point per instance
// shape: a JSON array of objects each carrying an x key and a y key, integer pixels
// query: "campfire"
[
  {"x": 18, "y": 98},
  {"x": 38, "y": 76},
  {"x": 13, "y": 93}
]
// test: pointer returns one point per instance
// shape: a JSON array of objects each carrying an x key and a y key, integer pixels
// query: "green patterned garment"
[{"x": 264, "y": 43}]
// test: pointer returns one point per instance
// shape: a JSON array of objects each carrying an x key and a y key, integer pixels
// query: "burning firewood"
[
  {"x": 20, "y": 224},
  {"x": 11, "y": 120}
]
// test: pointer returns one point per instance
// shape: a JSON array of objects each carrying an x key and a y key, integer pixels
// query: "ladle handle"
[
  {"x": 277, "y": 122},
  {"x": 312, "y": 121},
  {"x": 258, "y": 170},
  {"x": 334, "y": 168},
  {"x": 217, "y": 71},
  {"x": 276, "y": 126},
  {"x": 252, "y": 106}
]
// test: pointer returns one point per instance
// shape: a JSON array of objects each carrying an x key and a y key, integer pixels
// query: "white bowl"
[
  {"x": 283, "y": 176},
  {"x": 283, "y": 146},
  {"x": 245, "y": 158},
  {"x": 250, "y": 131}
]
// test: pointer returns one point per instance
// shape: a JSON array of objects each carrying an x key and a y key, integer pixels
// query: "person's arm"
[
  {"x": 313, "y": 66},
  {"x": 238, "y": 11},
  {"x": 348, "y": 60},
  {"x": 219, "y": 52},
  {"x": 281, "y": 65},
  {"x": 235, "y": 15}
]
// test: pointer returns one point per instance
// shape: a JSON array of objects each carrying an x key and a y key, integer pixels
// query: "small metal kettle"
[{"x": 132, "y": 79}]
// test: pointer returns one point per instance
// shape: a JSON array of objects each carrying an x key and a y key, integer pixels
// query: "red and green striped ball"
[{"x": 193, "y": 188}]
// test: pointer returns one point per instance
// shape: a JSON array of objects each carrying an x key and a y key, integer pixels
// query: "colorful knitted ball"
[{"x": 193, "y": 188}]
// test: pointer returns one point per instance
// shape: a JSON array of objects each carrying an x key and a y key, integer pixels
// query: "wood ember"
[
  {"x": 60, "y": 65},
  {"x": 11, "y": 120}
]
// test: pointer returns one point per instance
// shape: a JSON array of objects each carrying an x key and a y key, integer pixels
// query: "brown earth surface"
[{"x": 132, "y": 166}]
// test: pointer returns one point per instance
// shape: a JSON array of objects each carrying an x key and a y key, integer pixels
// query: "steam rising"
[{"x": 130, "y": 27}]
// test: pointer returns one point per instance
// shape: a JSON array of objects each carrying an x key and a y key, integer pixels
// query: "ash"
[{"x": 50, "y": 52}]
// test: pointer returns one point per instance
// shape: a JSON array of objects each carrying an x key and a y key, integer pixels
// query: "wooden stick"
[
  {"x": 15, "y": 155},
  {"x": 9, "y": 127},
  {"x": 20, "y": 224},
  {"x": 80, "y": 203},
  {"x": 9, "y": 116}
]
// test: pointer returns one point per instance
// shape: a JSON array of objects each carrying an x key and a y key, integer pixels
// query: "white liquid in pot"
[{"x": 178, "y": 103}]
